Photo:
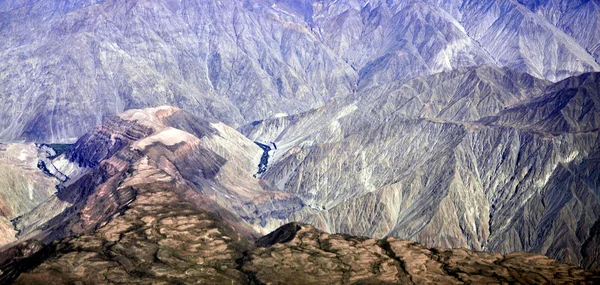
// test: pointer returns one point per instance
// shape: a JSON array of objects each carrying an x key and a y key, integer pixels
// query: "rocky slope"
[
  {"x": 211, "y": 162},
  {"x": 316, "y": 257},
  {"x": 159, "y": 196},
  {"x": 442, "y": 122},
  {"x": 566, "y": 15},
  {"x": 22, "y": 185},
  {"x": 238, "y": 62},
  {"x": 163, "y": 239},
  {"x": 160, "y": 238},
  {"x": 229, "y": 60},
  {"x": 522, "y": 180},
  {"x": 422, "y": 37},
  {"x": 570, "y": 106},
  {"x": 209, "y": 165}
]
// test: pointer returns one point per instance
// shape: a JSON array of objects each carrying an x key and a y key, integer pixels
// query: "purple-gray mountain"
[
  {"x": 454, "y": 124},
  {"x": 67, "y": 66}
]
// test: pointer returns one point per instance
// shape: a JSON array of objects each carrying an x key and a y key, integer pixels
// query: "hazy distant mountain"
[
  {"x": 390, "y": 40},
  {"x": 68, "y": 66}
]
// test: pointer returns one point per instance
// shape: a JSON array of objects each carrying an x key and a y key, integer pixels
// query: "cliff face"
[
  {"x": 238, "y": 62},
  {"x": 522, "y": 180}
]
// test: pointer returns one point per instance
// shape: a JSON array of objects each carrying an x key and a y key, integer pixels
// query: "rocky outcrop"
[
  {"x": 209, "y": 167},
  {"x": 162, "y": 239},
  {"x": 316, "y": 257},
  {"x": 212, "y": 162}
]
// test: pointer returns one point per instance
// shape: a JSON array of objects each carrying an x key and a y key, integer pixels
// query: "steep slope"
[
  {"x": 369, "y": 167},
  {"x": 403, "y": 39},
  {"x": 238, "y": 62},
  {"x": 160, "y": 196},
  {"x": 398, "y": 40},
  {"x": 466, "y": 94},
  {"x": 22, "y": 185},
  {"x": 211, "y": 163},
  {"x": 517, "y": 38},
  {"x": 462, "y": 95},
  {"x": 569, "y": 106},
  {"x": 226, "y": 60},
  {"x": 579, "y": 19},
  {"x": 160, "y": 238}
]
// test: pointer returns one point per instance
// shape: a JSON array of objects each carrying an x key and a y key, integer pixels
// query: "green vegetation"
[{"x": 59, "y": 148}]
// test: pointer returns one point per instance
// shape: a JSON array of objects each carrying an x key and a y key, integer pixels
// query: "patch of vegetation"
[{"x": 59, "y": 148}]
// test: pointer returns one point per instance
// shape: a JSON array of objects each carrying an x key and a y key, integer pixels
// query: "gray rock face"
[
  {"x": 69, "y": 66},
  {"x": 155, "y": 203},
  {"x": 522, "y": 180},
  {"x": 22, "y": 185},
  {"x": 578, "y": 19},
  {"x": 414, "y": 37},
  {"x": 569, "y": 106},
  {"x": 443, "y": 122}
]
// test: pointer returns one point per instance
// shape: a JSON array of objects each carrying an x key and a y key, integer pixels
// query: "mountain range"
[
  {"x": 152, "y": 196},
  {"x": 69, "y": 66},
  {"x": 159, "y": 140}
]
